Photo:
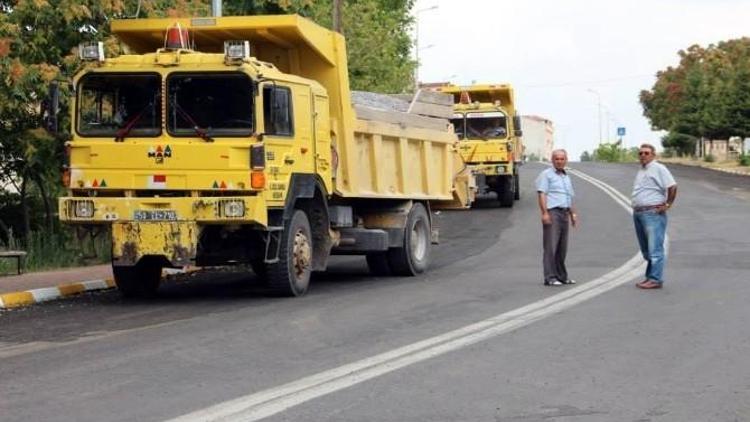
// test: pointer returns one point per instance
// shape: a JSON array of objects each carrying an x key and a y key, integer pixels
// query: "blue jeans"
[{"x": 650, "y": 227}]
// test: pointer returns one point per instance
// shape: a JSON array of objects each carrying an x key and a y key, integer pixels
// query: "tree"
[
  {"x": 706, "y": 96},
  {"x": 585, "y": 156}
]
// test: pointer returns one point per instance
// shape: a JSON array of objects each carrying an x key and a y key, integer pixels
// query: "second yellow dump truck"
[
  {"x": 489, "y": 130},
  {"x": 225, "y": 140}
]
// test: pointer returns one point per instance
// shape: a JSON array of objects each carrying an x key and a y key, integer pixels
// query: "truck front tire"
[
  {"x": 290, "y": 275},
  {"x": 414, "y": 256},
  {"x": 505, "y": 191},
  {"x": 138, "y": 281},
  {"x": 517, "y": 187}
]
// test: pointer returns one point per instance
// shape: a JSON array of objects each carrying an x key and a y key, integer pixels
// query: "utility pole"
[
  {"x": 599, "y": 105},
  {"x": 337, "y": 16},
  {"x": 416, "y": 44}
]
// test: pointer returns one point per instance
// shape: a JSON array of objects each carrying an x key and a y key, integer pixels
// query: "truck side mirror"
[
  {"x": 517, "y": 131},
  {"x": 51, "y": 108}
]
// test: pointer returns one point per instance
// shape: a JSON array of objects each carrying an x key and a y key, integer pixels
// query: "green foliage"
[
  {"x": 709, "y": 158},
  {"x": 706, "y": 95},
  {"x": 744, "y": 160},
  {"x": 586, "y": 156},
  {"x": 377, "y": 39},
  {"x": 682, "y": 143},
  {"x": 613, "y": 153},
  {"x": 58, "y": 250}
]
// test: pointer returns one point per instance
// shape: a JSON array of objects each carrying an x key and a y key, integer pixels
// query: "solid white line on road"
[{"x": 262, "y": 404}]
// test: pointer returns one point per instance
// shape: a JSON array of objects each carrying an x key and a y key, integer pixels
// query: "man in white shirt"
[{"x": 654, "y": 192}]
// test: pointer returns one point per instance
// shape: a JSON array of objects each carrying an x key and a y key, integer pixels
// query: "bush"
[
  {"x": 745, "y": 160},
  {"x": 709, "y": 158},
  {"x": 59, "y": 250}
]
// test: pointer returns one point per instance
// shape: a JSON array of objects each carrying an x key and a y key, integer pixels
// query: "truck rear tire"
[
  {"x": 138, "y": 281},
  {"x": 378, "y": 264},
  {"x": 290, "y": 275},
  {"x": 505, "y": 192},
  {"x": 414, "y": 256}
]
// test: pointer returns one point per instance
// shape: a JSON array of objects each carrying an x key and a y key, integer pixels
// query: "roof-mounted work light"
[
  {"x": 91, "y": 51},
  {"x": 236, "y": 50}
]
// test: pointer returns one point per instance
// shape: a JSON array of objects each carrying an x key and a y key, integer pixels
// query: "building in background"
[{"x": 538, "y": 138}]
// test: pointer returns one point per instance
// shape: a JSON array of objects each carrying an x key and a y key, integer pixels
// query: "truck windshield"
[
  {"x": 491, "y": 125},
  {"x": 119, "y": 105},
  {"x": 458, "y": 125},
  {"x": 210, "y": 104}
]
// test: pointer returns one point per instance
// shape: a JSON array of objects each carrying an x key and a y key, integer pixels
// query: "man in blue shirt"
[
  {"x": 555, "y": 192},
  {"x": 654, "y": 192}
]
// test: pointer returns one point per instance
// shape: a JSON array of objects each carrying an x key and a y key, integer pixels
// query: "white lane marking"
[{"x": 262, "y": 404}]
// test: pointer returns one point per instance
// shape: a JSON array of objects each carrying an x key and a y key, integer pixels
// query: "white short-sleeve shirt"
[{"x": 651, "y": 184}]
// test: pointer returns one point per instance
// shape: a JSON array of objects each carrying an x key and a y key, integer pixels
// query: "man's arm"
[
  {"x": 671, "y": 195},
  {"x": 546, "y": 219},
  {"x": 573, "y": 215}
]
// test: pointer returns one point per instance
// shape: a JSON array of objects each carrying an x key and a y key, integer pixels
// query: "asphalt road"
[{"x": 679, "y": 354}]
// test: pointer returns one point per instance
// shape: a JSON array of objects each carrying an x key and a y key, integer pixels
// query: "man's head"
[
  {"x": 559, "y": 159},
  {"x": 646, "y": 154}
]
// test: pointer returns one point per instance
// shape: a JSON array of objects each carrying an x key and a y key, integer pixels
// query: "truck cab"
[{"x": 489, "y": 133}]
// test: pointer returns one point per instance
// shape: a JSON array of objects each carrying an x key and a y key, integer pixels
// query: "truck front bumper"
[{"x": 167, "y": 227}]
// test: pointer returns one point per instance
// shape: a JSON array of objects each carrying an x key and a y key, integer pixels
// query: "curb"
[
  {"x": 742, "y": 173},
  {"x": 30, "y": 297}
]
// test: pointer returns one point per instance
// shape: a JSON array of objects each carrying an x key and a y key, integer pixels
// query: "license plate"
[{"x": 153, "y": 215}]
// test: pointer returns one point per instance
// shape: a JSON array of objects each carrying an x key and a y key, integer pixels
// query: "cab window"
[{"x": 277, "y": 111}]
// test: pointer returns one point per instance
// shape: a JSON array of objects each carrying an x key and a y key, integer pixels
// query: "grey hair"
[
  {"x": 649, "y": 146},
  {"x": 559, "y": 151}
]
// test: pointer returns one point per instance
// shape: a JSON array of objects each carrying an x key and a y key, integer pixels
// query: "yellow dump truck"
[
  {"x": 489, "y": 130},
  {"x": 233, "y": 140}
]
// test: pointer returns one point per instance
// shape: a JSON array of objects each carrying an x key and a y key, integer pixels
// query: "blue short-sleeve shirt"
[{"x": 557, "y": 186}]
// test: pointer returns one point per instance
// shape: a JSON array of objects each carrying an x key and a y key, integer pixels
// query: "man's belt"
[{"x": 647, "y": 207}]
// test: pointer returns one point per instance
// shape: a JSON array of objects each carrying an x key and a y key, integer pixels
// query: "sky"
[{"x": 565, "y": 58}]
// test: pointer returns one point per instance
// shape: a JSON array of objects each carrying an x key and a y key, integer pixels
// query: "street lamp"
[
  {"x": 416, "y": 44},
  {"x": 599, "y": 106}
]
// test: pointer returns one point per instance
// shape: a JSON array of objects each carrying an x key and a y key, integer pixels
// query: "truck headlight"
[
  {"x": 232, "y": 208},
  {"x": 500, "y": 169},
  {"x": 83, "y": 209}
]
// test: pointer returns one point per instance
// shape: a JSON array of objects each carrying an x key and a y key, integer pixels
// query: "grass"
[{"x": 46, "y": 251}]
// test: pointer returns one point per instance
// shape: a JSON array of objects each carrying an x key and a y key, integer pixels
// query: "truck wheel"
[
  {"x": 516, "y": 187},
  {"x": 138, "y": 281},
  {"x": 505, "y": 192},
  {"x": 290, "y": 275},
  {"x": 414, "y": 257},
  {"x": 377, "y": 262}
]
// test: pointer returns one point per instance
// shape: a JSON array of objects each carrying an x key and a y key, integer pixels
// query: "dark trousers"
[{"x": 555, "y": 241}]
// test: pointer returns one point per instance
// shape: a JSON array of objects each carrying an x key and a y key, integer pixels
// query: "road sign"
[{"x": 620, "y": 131}]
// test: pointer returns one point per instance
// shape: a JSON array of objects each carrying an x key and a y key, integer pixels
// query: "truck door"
[
  {"x": 322, "y": 124},
  {"x": 287, "y": 137}
]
